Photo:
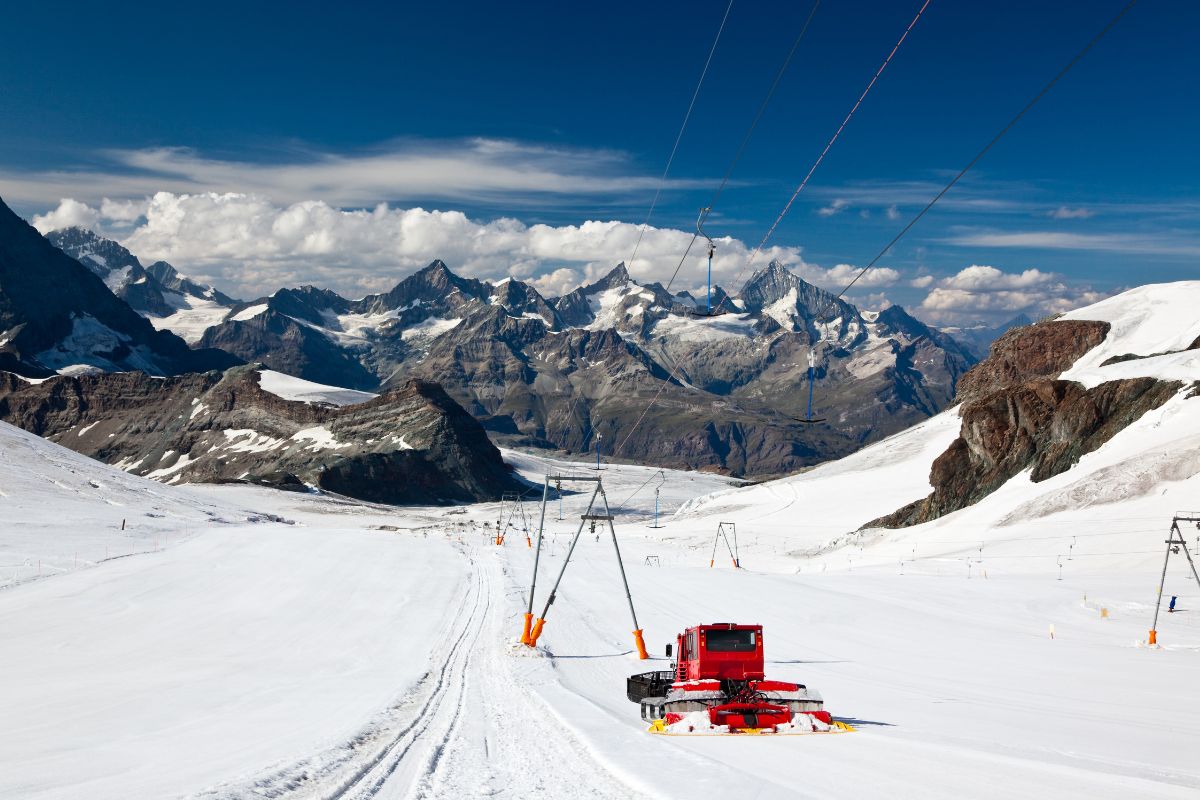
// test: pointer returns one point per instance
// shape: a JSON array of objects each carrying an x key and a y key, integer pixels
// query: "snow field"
[{"x": 368, "y": 651}]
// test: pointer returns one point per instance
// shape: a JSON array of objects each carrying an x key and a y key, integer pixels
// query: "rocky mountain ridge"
[
  {"x": 412, "y": 445},
  {"x": 56, "y": 315},
  {"x": 725, "y": 391}
]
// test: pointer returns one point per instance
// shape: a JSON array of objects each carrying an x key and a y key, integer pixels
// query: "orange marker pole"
[
  {"x": 525, "y": 629},
  {"x": 537, "y": 631},
  {"x": 641, "y": 644}
]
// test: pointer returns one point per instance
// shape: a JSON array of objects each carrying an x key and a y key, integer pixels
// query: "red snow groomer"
[{"x": 717, "y": 685}]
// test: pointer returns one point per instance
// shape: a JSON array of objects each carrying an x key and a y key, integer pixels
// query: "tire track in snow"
[
  {"x": 512, "y": 744},
  {"x": 391, "y": 764}
]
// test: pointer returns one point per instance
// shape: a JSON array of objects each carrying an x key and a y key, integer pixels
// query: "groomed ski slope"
[{"x": 367, "y": 652}]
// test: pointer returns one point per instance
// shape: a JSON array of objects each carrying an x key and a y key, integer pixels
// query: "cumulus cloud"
[
  {"x": 844, "y": 273},
  {"x": 976, "y": 278},
  {"x": 248, "y": 245},
  {"x": 68, "y": 214},
  {"x": 1063, "y": 212},
  {"x": 893, "y": 213},
  {"x": 921, "y": 282},
  {"x": 981, "y": 293}
]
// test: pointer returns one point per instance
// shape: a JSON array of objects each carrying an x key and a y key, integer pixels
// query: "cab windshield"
[{"x": 727, "y": 641}]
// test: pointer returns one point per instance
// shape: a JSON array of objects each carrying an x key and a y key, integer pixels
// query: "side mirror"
[{"x": 668, "y": 651}]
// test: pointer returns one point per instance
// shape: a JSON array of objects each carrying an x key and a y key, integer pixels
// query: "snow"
[
  {"x": 368, "y": 650},
  {"x": 87, "y": 345},
  {"x": 291, "y": 388},
  {"x": 244, "y": 440},
  {"x": 430, "y": 328},
  {"x": 876, "y": 356},
  {"x": 360, "y": 326},
  {"x": 320, "y": 436},
  {"x": 178, "y": 464},
  {"x": 606, "y": 306},
  {"x": 705, "y": 329},
  {"x": 783, "y": 310},
  {"x": 1146, "y": 321},
  {"x": 248, "y": 313},
  {"x": 113, "y": 279},
  {"x": 192, "y": 317}
]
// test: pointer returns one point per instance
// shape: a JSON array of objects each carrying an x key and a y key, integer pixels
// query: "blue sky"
[{"x": 521, "y": 123}]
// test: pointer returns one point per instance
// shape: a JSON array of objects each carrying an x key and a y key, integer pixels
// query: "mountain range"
[
  {"x": 616, "y": 365},
  {"x": 57, "y": 316}
]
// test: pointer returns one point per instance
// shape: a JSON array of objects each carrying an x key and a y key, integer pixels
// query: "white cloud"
[
  {"x": 1167, "y": 243},
  {"x": 980, "y": 293},
  {"x": 69, "y": 213},
  {"x": 836, "y": 207},
  {"x": 460, "y": 170},
  {"x": 978, "y": 278},
  {"x": 921, "y": 282},
  {"x": 247, "y": 245},
  {"x": 842, "y": 274},
  {"x": 1063, "y": 212},
  {"x": 893, "y": 213}
]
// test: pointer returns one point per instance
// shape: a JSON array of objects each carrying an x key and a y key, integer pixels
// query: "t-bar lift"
[{"x": 533, "y": 629}]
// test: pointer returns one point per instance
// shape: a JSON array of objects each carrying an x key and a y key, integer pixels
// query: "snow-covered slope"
[
  {"x": 291, "y": 388},
  {"x": 63, "y": 511},
  {"x": 367, "y": 651},
  {"x": 1156, "y": 323},
  {"x": 1107, "y": 512}
]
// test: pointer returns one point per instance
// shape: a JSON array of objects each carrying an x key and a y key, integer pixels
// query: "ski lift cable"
[
  {"x": 1003, "y": 131},
  {"x": 766, "y": 101},
  {"x": 1020, "y": 114},
  {"x": 679, "y": 137},
  {"x": 721, "y": 188},
  {"x": 828, "y": 145},
  {"x": 666, "y": 170}
]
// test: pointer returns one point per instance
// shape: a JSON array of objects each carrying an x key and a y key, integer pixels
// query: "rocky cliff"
[
  {"x": 412, "y": 445},
  {"x": 1018, "y": 415}
]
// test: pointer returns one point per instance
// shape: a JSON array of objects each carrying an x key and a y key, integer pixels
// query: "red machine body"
[{"x": 719, "y": 669}]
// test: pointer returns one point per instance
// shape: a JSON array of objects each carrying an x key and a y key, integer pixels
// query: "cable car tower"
[{"x": 712, "y": 250}]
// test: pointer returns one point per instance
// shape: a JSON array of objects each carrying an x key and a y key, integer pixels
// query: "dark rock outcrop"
[
  {"x": 412, "y": 445},
  {"x": 1017, "y": 415},
  {"x": 1035, "y": 351}
]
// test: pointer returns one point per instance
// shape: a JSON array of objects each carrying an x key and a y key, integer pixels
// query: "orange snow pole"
[
  {"x": 528, "y": 541},
  {"x": 641, "y": 644},
  {"x": 1153, "y": 637},
  {"x": 525, "y": 629},
  {"x": 536, "y": 632},
  {"x": 711, "y": 561}
]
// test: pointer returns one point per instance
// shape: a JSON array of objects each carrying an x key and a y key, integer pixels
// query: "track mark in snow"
[{"x": 466, "y": 728}]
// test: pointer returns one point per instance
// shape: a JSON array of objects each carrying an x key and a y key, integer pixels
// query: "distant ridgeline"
[{"x": 561, "y": 372}]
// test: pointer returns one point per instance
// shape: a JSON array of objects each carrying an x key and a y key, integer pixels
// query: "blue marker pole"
[{"x": 709, "y": 296}]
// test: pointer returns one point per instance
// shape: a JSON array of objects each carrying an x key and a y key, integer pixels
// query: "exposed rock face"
[
  {"x": 55, "y": 313},
  {"x": 1017, "y": 415},
  {"x": 581, "y": 369},
  {"x": 1035, "y": 351},
  {"x": 978, "y": 339},
  {"x": 412, "y": 445},
  {"x": 157, "y": 291},
  {"x": 724, "y": 391}
]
